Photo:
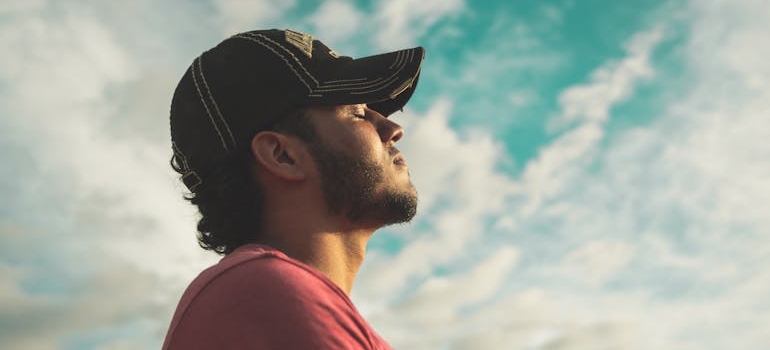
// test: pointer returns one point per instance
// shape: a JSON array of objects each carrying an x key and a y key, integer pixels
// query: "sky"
[{"x": 592, "y": 174}]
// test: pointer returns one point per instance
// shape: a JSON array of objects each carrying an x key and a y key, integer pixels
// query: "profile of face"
[{"x": 363, "y": 175}]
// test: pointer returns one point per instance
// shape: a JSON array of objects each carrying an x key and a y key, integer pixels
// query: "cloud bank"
[{"x": 623, "y": 236}]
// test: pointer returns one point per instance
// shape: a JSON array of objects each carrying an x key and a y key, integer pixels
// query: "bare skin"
[{"x": 298, "y": 220}]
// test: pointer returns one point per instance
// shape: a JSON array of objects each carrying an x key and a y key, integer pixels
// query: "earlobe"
[{"x": 276, "y": 153}]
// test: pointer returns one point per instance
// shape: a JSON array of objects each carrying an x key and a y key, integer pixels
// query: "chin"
[
  {"x": 389, "y": 207},
  {"x": 400, "y": 207}
]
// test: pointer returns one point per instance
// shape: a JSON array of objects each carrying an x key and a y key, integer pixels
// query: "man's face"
[{"x": 363, "y": 175}]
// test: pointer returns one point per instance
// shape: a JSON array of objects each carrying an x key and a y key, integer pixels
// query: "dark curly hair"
[{"x": 230, "y": 202}]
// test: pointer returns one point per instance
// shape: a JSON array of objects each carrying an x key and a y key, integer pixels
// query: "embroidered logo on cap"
[{"x": 302, "y": 41}]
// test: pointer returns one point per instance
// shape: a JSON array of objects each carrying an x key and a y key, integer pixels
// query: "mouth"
[
  {"x": 399, "y": 161},
  {"x": 398, "y": 158}
]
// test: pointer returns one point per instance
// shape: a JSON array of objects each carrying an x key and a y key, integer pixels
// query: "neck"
[
  {"x": 337, "y": 254},
  {"x": 326, "y": 241}
]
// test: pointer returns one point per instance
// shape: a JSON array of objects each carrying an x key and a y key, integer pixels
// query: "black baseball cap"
[{"x": 251, "y": 80}]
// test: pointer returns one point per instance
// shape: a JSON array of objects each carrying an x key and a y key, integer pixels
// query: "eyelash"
[{"x": 360, "y": 116}]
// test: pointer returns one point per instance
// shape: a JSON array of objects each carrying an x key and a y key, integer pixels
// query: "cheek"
[
  {"x": 366, "y": 140},
  {"x": 356, "y": 139}
]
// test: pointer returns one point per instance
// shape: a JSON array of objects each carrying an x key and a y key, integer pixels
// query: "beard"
[{"x": 349, "y": 185}]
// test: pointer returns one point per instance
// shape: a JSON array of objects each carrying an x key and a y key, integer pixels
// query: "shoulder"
[
  {"x": 260, "y": 295},
  {"x": 255, "y": 270},
  {"x": 260, "y": 277}
]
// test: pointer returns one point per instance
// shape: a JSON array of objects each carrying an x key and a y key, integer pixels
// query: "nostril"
[
  {"x": 396, "y": 132},
  {"x": 397, "y": 136}
]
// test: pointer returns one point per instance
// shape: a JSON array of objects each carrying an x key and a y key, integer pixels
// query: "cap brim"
[{"x": 385, "y": 82}]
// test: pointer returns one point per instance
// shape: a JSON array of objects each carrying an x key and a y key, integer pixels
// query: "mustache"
[{"x": 393, "y": 151}]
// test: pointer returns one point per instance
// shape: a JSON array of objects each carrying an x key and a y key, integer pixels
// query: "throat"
[{"x": 336, "y": 255}]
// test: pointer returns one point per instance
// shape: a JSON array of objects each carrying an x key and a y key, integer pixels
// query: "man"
[{"x": 290, "y": 159}]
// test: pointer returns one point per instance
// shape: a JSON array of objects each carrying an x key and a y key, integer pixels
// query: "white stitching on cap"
[
  {"x": 399, "y": 61},
  {"x": 292, "y": 55},
  {"x": 387, "y": 82},
  {"x": 208, "y": 112},
  {"x": 399, "y": 56},
  {"x": 374, "y": 88},
  {"x": 302, "y": 41},
  {"x": 359, "y": 85},
  {"x": 346, "y": 80},
  {"x": 324, "y": 87},
  {"x": 178, "y": 151},
  {"x": 402, "y": 59},
  {"x": 279, "y": 55},
  {"x": 213, "y": 101},
  {"x": 371, "y": 87},
  {"x": 379, "y": 82},
  {"x": 401, "y": 64},
  {"x": 363, "y": 83},
  {"x": 252, "y": 36}
]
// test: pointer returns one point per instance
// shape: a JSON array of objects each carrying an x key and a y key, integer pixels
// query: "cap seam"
[
  {"x": 214, "y": 102},
  {"x": 205, "y": 105},
  {"x": 293, "y": 56}
]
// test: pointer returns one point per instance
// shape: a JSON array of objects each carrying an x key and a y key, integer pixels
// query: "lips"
[
  {"x": 399, "y": 161},
  {"x": 398, "y": 158}
]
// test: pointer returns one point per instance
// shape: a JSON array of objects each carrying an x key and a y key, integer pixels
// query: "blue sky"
[{"x": 592, "y": 174}]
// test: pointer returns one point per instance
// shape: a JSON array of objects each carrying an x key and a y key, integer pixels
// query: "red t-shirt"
[{"x": 258, "y": 298}]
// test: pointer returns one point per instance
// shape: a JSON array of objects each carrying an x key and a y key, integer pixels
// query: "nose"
[{"x": 389, "y": 131}]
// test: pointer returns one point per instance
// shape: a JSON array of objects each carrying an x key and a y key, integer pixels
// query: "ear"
[{"x": 278, "y": 154}]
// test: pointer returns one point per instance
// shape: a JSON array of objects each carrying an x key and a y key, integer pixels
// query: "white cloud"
[
  {"x": 589, "y": 105},
  {"x": 114, "y": 297},
  {"x": 336, "y": 21},
  {"x": 595, "y": 261},
  {"x": 399, "y": 23},
  {"x": 75, "y": 61},
  {"x": 481, "y": 282},
  {"x": 426, "y": 309},
  {"x": 458, "y": 187},
  {"x": 499, "y": 68},
  {"x": 652, "y": 238},
  {"x": 244, "y": 15},
  {"x": 16, "y": 7},
  {"x": 521, "y": 98},
  {"x": 656, "y": 241},
  {"x": 611, "y": 83},
  {"x": 102, "y": 203}
]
